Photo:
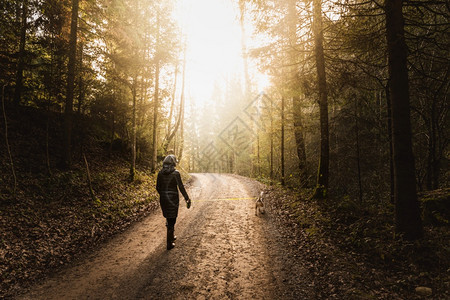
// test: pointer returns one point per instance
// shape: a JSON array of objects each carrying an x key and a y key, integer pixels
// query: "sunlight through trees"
[{"x": 346, "y": 98}]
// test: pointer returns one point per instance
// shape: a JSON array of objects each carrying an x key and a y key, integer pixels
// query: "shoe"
[
  {"x": 170, "y": 246},
  {"x": 170, "y": 239}
]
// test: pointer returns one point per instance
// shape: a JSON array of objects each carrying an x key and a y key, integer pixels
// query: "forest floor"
[
  {"x": 224, "y": 251},
  {"x": 54, "y": 237}
]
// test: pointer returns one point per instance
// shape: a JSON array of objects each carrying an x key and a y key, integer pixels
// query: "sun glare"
[{"x": 214, "y": 51}]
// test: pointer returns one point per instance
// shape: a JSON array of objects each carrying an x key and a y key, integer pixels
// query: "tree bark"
[
  {"x": 244, "y": 49},
  {"x": 8, "y": 147},
  {"x": 68, "y": 110},
  {"x": 391, "y": 147},
  {"x": 432, "y": 165},
  {"x": 172, "y": 105},
  {"x": 323, "y": 172},
  {"x": 358, "y": 152},
  {"x": 271, "y": 141},
  {"x": 407, "y": 212},
  {"x": 283, "y": 182},
  {"x": 47, "y": 152},
  {"x": 180, "y": 152},
  {"x": 295, "y": 56},
  {"x": 88, "y": 178},
  {"x": 133, "y": 132},
  {"x": 21, "y": 59},
  {"x": 172, "y": 134},
  {"x": 155, "y": 117},
  {"x": 80, "y": 81},
  {"x": 156, "y": 99},
  {"x": 258, "y": 154},
  {"x": 300, "y": 140}
]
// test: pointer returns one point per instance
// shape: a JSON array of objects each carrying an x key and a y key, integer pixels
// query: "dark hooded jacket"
[{"x": 167, "y": 184}]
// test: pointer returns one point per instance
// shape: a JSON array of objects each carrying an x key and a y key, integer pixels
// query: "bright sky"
[{"x": 214, "y": 51}]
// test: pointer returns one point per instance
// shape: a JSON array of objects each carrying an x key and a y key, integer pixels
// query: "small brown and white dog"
[{"x": 259, "y": 205}]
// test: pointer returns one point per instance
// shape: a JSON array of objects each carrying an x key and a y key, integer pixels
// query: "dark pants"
[{"x": 170, "y": 223}]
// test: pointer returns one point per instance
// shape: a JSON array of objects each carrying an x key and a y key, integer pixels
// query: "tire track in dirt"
[{"x": 223, "y": 251}]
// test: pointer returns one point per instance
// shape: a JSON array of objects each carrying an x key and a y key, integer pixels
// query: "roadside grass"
[{"x": 54, "y": 220}]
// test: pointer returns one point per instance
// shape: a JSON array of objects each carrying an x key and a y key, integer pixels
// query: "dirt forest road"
[{"x": 223, "y": 251}]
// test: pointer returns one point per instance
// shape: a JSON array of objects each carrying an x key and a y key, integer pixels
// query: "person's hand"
[{"x": 188, "y": 203}]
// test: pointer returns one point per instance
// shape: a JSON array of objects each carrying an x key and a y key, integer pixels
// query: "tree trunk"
[
  {"x": 299, "y": 140},
  {"x": 432, "y": 169},
  {"x": 88, "y": 178},
  {"x": 8, "y": 148},
  {"x": 271, "y": 141},
  {"x": 156, "y": 99},
  {"x": 429, "y": 183},
  {"x": 21, "y": 58},
  {"x": 113, "y": 129},
  {"x": 68, "y": 111},
  {"x": 391, "y": 147},
  {"x": 358, "y": 152},
  {"x": 133, "y": 133},
  {"x": 283, "y": 182},
  {"x": 80, "y": 81},
  {"x": 172, "y": 134},
  {"x": 295, "y": 56},
  {"x": 244, "y": 49},
  {"x": 47, "y": 152},
  {"x": 155, "y": 117},
  {"x": 323, "y": 172},
  {"x": 407, "y": 213},
  {"x": 172, "y": 105},
  {"x": 258, "y": 154},
  {"x": 180, "y": 152}
]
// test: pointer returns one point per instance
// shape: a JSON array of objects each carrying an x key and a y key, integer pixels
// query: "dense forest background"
[
  {"x": 356, "y": 110},
  {"x": 121, "y": 63}
]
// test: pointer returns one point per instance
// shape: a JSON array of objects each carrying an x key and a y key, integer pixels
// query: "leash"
[{"x": 224, "y": 199}]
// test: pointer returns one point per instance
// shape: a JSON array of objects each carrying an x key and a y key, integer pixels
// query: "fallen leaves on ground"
[
  {"x": 54, "y": 220},
  {"x": 350, "y": 251}
]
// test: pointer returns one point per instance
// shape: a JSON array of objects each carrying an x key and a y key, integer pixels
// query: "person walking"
[{"x": 167, "y": 184}]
